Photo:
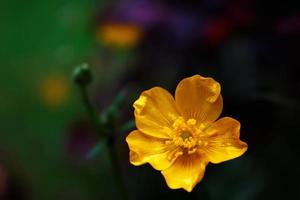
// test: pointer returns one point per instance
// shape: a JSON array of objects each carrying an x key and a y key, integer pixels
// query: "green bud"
[{"x": 82, "y": 74}]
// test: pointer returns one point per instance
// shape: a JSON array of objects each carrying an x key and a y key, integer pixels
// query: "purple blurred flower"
[
  {"x": 289, "y": 25},
  {"x": 177, "y": 23},
  {"x": 185, "y": 24},
  {"x": 144, "y": 13},
  {"x": 80, "y": 139}
]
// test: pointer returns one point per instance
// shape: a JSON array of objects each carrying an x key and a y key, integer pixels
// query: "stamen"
[
  {"x": 191, "y": 122},
  {"x": 202, "y": 126},
  {"x": 192, "y": 151},
  {"x": 167, "y": 142},
  {"x": 172, "y": 155},
  {"x": 178, "y": 153},
  {"x": 186, "y": 135}
]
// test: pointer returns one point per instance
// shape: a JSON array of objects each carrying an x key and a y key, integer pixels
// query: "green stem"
[
  {"x": 116, "y": 169},
  {"x": 88, "y": 106},
  {"x": 109, "y": 141}
]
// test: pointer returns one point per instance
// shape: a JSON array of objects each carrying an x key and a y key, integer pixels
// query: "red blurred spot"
[
  {"x": 289, "y": 25},
  {"x": 241, "y": 17},
  {"x": 216, "y": 31},
  {"x": 80, "y": 139},
  {"x": 3, "y": 181}
]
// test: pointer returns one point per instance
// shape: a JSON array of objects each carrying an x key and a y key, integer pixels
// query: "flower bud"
[{"x": 82, "y": 74}]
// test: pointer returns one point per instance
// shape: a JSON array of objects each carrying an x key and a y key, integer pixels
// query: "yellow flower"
[
  {"x": 54, "y": 90},
  {"x": 119, "y": 35},
  {"x": 180, "y": 136}
]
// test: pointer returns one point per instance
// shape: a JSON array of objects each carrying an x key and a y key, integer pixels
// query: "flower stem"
[
  {"x": 88, "y": 106},
  {"x": 106, "y": 130},
  {"x": 116, "y": 168}
]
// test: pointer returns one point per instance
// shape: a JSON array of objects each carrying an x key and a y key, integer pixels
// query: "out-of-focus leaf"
[{"x": 96, "y": 150}]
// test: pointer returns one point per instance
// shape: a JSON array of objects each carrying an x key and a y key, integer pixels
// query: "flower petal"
[
  {"x": 147, "y": 149},
  {"x": 186, "y": 172},
  {"x": 223, "y": 140},
  {"x": 155, "y": 112},
  {"x": 199, "y": 98}
]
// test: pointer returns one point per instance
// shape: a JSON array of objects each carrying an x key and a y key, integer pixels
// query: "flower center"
[{"x": 185, "y": 135}]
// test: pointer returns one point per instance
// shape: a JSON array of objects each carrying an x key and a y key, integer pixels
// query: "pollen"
[{"x": 186, "y": 135}]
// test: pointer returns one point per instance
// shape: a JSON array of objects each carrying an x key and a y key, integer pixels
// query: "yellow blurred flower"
[
  {"x": 180, "y": 136},
  {"x": 117, "y": 35},
  {"x": 54, "y": 90}
]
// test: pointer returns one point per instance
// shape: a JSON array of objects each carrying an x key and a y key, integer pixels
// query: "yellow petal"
[
  {"x": 147, "y": 149},
  {"x": 199, "y": 98},
  {"x": 223, "y": 140},
  {"x": 155, "y": 112},
  {"x": 186, "y": 172}
]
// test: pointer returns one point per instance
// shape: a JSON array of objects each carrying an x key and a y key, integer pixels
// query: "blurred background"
[{"x": 251, "y": 47}]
